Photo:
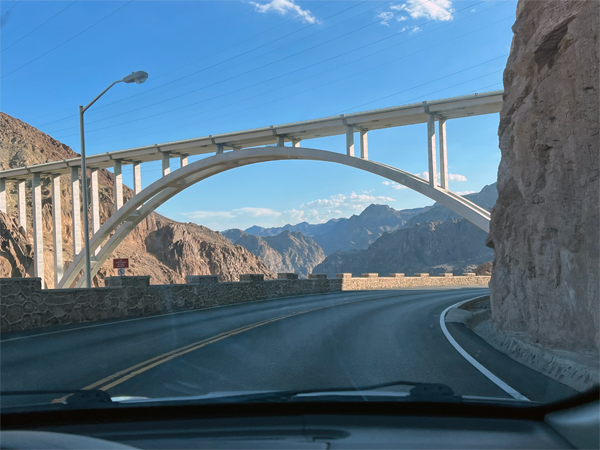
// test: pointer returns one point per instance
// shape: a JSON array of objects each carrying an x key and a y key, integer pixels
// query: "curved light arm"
[{"x": 101, "y": 94}]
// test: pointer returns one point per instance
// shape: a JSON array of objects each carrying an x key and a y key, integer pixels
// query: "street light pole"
[{"x": 137, "y": 77}]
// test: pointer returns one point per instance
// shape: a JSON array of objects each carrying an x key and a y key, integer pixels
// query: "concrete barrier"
[
  {"x": 25, "y": 305},
  {"x": 287, "y": 276}
]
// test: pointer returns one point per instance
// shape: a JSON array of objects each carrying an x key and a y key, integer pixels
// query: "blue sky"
[{"x": 229, "y": 65}]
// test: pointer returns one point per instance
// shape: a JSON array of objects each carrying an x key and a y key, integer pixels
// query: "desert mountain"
[
  {"x": 162, "y": 248},
  {"x": 289, "y": 251},
  {"x": 434, "y": 241}
]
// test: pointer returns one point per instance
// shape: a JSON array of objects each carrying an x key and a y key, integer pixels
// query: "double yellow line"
[{"x": 133, "y": 371}]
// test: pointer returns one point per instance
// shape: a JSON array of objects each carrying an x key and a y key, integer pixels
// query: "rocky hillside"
[
  {"x": 545, "y": 225},
  {"x": 433, "y": 247},
  {"x": 356, "y": 232},
  {"x": 289, "y": 251},
  {"x": 164, "y": 249}
]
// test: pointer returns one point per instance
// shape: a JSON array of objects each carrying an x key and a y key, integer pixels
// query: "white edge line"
[{"x": 493, "y": 378}]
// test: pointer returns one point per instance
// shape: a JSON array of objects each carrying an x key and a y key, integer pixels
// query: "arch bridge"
[{"x": 232, "y": 150}]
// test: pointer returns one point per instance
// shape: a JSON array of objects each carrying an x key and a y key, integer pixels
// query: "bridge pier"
[
  {"x": 349, "y": 140},
  {"x": 3, "y": 195},
  {"x": 280, "y": 141},
  {"x": 443, "y": 155},
  {"x": 21, "y": 204},
  {"x": 137, "y": 178},
  {"x": 296, "y": 143},
  {"x": 431, "y": 152},
  {"x": 76, "y": 210},
  {"x": 38, "y": 232},
  {"x": 166, "y": 164},
  {"x": 95, "y": 202},
  {"x": 364, "y": 146},
  {"x": 118, "y": 173},
  {"x": 183, "y": 161},
  {"x": 57, "y": 229}
]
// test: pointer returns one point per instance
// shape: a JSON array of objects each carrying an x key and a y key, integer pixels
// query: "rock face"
[
  {"x": 289, "y": 251},
  {"x": 433, "y": 247},
  {"x": 164, "y": 249},
  {"x": 545, "y": 224}
]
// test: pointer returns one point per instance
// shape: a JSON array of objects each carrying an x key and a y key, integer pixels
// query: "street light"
[{"x": 137, "y": 77}]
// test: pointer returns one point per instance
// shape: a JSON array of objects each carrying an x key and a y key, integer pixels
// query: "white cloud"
[
  {"x": 430, "y": 10},
  {"x": 401, "y": 18},
  {"x": 352, "y": 201},
  {"x": 385, "y": 17},
  {"x": 394, "y": 185},
  {"x": 451, "y": 176},
  {"x": 465, "y": 192},
  {"x": 255, "y": 212},
  {"x": 410, "y": 29},
  {"x": 284, "y": 7},
  {"x": 203, "y": 215},
  {"x": 247, "y": 211}
]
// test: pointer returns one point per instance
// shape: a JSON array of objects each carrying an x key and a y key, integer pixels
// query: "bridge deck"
[{"x": 451, "y": 108}]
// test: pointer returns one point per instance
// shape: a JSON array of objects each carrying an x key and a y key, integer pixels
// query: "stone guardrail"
[{"x": 24, "y": 305}]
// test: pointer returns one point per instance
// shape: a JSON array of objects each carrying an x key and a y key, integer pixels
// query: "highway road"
[{"x": 309, "y": 342}]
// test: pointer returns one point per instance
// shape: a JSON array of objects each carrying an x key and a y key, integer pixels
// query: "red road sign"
[{"x": 120, "y": 263}]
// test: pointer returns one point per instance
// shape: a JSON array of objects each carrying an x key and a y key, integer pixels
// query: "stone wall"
[
  {"x": 545, "y": 225},
  {"x": 24, "y": 305}
]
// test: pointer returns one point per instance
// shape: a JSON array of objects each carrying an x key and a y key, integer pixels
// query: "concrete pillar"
[
  {"x": 95, "y": 197},
  {"x": 443, "y": 155},
  {"x": 38, "y": 231},
  {"x": 431, "y": 150},
  {"x": 219, "y": 149},
  {"x": 166, "y": 164},
  {"x": 183, "y": 160},
  {"x": 296, "y": 142},
  {"x": 118, "y": 172},
  {"x": 280, "y": 141},
  {"x": 3, "y": 195},
  {"x": 364, "y": 145},
  {"x": 21, "y": 204},
  {"x": 137, "y": 178},
  {"x": 76, "y": 203},
  {"x": 57, "y": 229},
  {"x": 349, "y": 141}
]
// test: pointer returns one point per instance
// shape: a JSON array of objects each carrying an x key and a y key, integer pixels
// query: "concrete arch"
[{"x": 120, "y": 224}]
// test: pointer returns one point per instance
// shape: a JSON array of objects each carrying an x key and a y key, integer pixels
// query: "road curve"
[{"x": 308, "y": 342}]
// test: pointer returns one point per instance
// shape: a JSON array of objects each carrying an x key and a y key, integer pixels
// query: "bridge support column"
[
  {"x": 443, "y": 155},
  {"x": 431, "y": 150},
  {"x": 166, "y": 164},
  {"x": 137, "y": 178},
  {"x": 183, "y": 160},
  {"x": 76, "y": 204},
  {"x": 21, "y": 204},
  {"x": 57, "y": 229},
  {"x": 38, "y": 233},
  {"x": 280, "y": 141},
  {"x": 364, "y": 145},
  {"x": 349, "y": 141},
  {"x": 3, "y": 195},
  {"x": 296, "y": 143},
  {"x": 219, "y": 149},
  {"x": 95, "y": 203},
  {"x": 118, "y": 172}
]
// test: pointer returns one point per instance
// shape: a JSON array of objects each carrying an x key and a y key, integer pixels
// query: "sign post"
[{"x": 121, "y": 264}]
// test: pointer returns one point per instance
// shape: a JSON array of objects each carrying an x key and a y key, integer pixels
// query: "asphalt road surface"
[{"x": 309, "y": 342}]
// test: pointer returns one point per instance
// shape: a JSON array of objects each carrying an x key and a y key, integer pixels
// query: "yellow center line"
[{"x": 130, "y": 372}]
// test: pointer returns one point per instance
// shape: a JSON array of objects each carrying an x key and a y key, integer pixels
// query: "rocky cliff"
[
  {"x": 289, "y": 251},
  {"x": 164, "y": 249},
  {"x": 544, "y": 227}
]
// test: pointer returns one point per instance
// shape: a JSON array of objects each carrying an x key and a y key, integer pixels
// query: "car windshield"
[{"x": 298, "y": 201}]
